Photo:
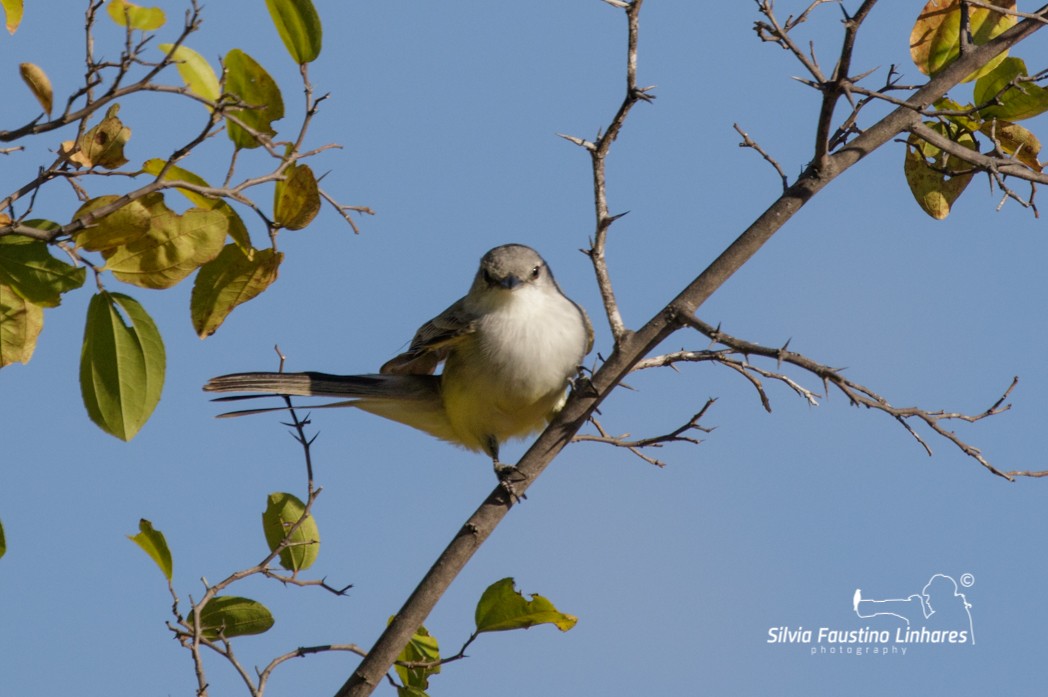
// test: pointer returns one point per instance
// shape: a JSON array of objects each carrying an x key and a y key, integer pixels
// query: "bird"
[{"x": 510, "y": 349}]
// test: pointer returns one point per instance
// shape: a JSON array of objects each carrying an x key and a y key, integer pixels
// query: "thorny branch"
[
  {"x": 94, "y": 77},
  {"x": 857, "y": 394},
  {"x": 748, "y": 142},
  {"x": 190, "y": 633},
  {"x": 631, "y": 347},
  {"x": 997, "y": 166},
  {"x": 598, "y": 151},
  {"x": 636, "y": 446}
]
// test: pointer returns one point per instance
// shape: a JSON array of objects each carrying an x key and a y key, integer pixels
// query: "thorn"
[
  {"x": 809, "y": 83},
  {"x": 641, "y": 93},
  {"x": 869, "y": 72},
  {"x": 579, "y": 141}
]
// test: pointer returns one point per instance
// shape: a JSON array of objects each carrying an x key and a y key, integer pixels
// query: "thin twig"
[
  {"x": 748, "y": 142},
  {"x": 598, "y": 150},
  {"x": 636, "y": 446}
]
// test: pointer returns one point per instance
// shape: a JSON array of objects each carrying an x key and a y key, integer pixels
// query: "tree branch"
[
  {"x": 632, "y": 347},
  {"x": 598, "y": 151},
  {"x": 636, "y": 446}
]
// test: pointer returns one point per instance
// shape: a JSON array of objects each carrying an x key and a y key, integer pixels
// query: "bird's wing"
[{"x": 433, "y": 341}]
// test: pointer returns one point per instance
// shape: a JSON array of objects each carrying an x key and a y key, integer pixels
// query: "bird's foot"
[{"x": 508, "y": 476}]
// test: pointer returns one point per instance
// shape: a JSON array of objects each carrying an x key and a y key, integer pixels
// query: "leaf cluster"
[
  {"x": 134, "y": 236},
  {"x": 1004, "y": 92}
]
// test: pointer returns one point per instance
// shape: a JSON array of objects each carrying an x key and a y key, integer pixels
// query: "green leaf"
[
  {"x": 502, "y": 607},
  {"x": 282, "y": 512},
  {"x": 230, "y": 279},
  {"x": 299, "y": 27},
  {"x": 296, "y": 199},
  {"x": 1015, "y": 102},
  {"x": 237, "y": 230},
  {"x": 936, "y": 178},
  {"x": 39, "y": 84},
  {"x": 128, "y": 14},
  {"x": 153, "y": 543},
  {"x": 13, "y": 10},
  {"x": 968, "y": 121},
  {"x": 28, "y": 268},
  {"x": 173, "y": 247},
  {"x": 102, "y": 145},
  {"x": 251, "y": 84},
  {"x": 20, "y": 325},
  {"x": 230, "y": 616},
  {"x": 410, "y": 692},
  {"x": 122, "y": 364},
  {"x": 196, "y": 72},
  {"x": 422, "y": 647},
  {"x": 935, "y": 40}
]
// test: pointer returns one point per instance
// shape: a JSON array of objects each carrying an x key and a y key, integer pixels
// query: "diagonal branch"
[{"x": 632, "y": 347}]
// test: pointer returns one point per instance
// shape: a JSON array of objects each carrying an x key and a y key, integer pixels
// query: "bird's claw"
[{"x": 508, "y": 475}]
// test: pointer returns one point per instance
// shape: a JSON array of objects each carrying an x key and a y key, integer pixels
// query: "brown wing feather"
[{"x": 432, "y": 342}]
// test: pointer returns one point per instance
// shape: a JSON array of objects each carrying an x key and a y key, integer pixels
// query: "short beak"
[{"x": 509, "y": 282}]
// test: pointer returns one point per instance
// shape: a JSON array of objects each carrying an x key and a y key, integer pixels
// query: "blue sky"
[{"x": 447, "y": 116}]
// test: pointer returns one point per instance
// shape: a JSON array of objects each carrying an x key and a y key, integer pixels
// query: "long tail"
[
  {"x": 401, "y": 387},
  {"x": 414, "y": 400}
]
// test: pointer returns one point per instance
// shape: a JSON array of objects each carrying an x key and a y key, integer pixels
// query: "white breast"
[{"x": 513, "y": 373}]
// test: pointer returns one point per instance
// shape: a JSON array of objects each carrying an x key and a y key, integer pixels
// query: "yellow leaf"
[
  {"x": 128, "y": 14},
  {"x": 13, "y": 10},
  {"x": 1015, "y": 140},
  {"x": 36, "y": 78},
  {"x": 237, "y": 230},
  {"x": 173, "y": 247},
  {"x": 296, "y": 199},
  {"x": 230, "y": 279},
  {"x": 127, "y": 223},
  {"x": 935, "y": 177},
  {"x": 195, "y": 71},
  {"x": 20, "y": 325},
  {"x": 935, "y": 39},
  {"x": 102, "y": 145}
]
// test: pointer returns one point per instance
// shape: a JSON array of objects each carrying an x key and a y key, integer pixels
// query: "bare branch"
[
  {"x": 636, "y": 446},
  {"x": 860, "y": 395},
  {"x": 345, "y": 211},
  {"x": 300, "y": 652},
  {"x": 599, "y": 150},
  {"x": 748, "y": 142},
  {"x": 774, "y": 32}
]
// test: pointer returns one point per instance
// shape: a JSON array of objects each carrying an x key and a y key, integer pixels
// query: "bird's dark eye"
[
  {"x": 536, "y": 272},
  {"x": 488, "y": 278}
]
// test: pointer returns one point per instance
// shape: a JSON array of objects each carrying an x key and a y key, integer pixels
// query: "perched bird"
[{"x": 509, "y": 347}]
